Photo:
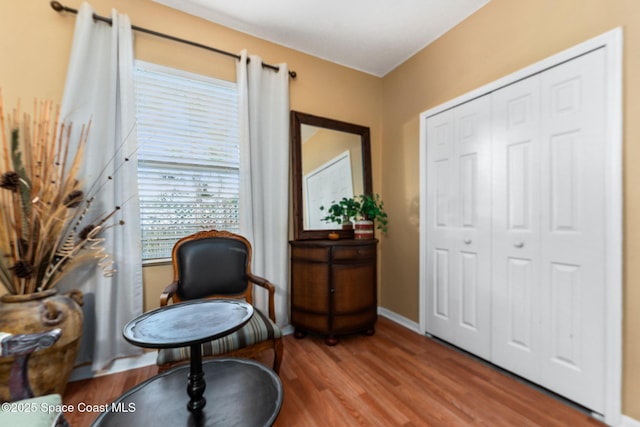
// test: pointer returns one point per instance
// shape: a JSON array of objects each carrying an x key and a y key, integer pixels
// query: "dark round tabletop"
[
  {"x": 187, "y": 323},
  {"x": 240, "y": 392}
]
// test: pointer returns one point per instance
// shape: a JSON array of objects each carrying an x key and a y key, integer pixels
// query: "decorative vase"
[
  {"x": 48, "y": 369},
  {"x": 364, "y": 229}
]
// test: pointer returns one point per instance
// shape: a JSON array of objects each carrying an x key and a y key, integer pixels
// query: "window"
[{"x": 188, "y": 156}]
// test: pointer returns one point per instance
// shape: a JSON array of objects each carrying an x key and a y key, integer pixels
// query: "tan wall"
[{"x": 500, "y": 38}]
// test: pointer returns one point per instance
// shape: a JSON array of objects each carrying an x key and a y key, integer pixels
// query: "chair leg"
[{"x": 278, "y": 349}]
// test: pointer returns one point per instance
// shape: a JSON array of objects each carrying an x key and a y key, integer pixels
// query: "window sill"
[{"x": 154, "y": 262}]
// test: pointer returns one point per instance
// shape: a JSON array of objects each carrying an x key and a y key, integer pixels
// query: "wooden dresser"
[{"x": 333, "y": 287}]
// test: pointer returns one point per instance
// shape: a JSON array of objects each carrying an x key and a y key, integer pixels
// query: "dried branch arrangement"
[{"x": 44, "y": 229}]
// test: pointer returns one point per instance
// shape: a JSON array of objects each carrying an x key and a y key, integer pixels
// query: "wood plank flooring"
[{"x": 394, "y": 378}]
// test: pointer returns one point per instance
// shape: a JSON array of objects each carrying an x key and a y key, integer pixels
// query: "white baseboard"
[
  {"x": 287, "y": 330},
  {"x": 401, "y": 320},
  {"x": 629, "y": 422},
  {"x": 124, "y": 364}
]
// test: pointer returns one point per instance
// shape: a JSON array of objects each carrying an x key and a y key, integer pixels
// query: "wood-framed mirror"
[{"x": 331, "y": 159}]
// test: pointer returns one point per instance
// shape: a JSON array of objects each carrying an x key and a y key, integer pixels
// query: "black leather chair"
[{"x": 217, "y": 264}]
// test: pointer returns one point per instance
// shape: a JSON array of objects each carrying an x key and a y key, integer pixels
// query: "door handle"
[
  {"x": 519, "y": 245},
  {"x": 467, "y": 241}
]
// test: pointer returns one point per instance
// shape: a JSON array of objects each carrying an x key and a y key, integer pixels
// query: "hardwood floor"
[{"x": 394, "y": 378}]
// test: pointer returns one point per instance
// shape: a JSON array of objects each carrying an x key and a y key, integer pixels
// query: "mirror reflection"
[
  {"x": 331, "y": 159},
  {"x": 331, "y": 170}
]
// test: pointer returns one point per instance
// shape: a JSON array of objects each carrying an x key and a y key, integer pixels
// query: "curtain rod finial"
[{"x": 55, "y": 5}]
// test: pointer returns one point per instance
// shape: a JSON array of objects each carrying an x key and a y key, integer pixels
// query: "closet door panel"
[
  {"x": 473, "y": 239},
  {"x": 441, "y": 178},
  {"x": 459, "y": 227},
  {"x": 519, "y": 311},
  {"x": 441, "y": 286},
  {"x": 469, "y": 269},
  {"x": 573, "y": 235},
  {"x": 516, "y": 338}
]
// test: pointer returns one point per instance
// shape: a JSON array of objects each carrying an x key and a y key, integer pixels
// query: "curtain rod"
[{"x": 58, "y": 7}]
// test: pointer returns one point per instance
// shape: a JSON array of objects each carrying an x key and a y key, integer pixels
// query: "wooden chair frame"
[{"x": 170, "y": 293}]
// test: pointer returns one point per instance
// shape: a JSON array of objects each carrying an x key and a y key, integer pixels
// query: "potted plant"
[
  {"x": 366, "y": 209},
  {"x": 342, "y": 212},
  {"x": 47, "y": 230},
  {"x": 371, "y": 211}
]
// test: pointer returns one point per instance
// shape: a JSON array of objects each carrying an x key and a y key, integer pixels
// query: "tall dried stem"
[{"x": 42, "y": 204}]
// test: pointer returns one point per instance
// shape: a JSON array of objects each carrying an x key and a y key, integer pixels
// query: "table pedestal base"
[{"x": 196, "y": 385}]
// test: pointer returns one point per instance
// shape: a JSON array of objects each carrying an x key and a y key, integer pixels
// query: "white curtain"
[
  {"x": 99, "y": 88},
  {"x": 264, "y": 173}
]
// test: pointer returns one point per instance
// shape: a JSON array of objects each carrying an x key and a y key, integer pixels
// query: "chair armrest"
[
  {"x": 167, "y": 294},
  {"x": 20, "y": 346},
  {"x": 261, "y": 281},
  {"x": 25, "y": 344}
]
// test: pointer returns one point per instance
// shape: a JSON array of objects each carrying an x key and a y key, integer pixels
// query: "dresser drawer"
[
  {"x": 310, "y": 253},
  {"x": 354, "y": 253}
]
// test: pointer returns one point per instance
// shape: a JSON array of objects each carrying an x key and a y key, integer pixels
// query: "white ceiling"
[{"x": 373, "y": 36}]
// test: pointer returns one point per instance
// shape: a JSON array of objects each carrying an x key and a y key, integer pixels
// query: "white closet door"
[
  {"x": 573, "y": 230},
  {"x": 548, "y": 229},
  {"x": 522, "y": 223},
  {"x": 516, "y": 293},
  {"x": 458, "y": 258}
]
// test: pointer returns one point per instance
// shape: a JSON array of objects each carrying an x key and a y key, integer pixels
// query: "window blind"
[{"x": 188, "y": 155}]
